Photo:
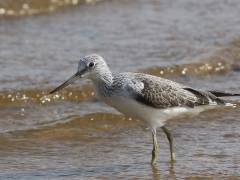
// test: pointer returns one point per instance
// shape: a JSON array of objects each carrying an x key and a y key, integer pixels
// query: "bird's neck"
[
  {"x": 103, "y": 84},
  {"x": 106, "y": 79}
]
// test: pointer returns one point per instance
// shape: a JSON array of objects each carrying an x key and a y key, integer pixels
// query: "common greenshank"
[{"x": 151, "y": 99}]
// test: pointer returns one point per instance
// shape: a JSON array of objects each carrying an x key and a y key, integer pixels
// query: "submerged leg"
[
  {"x": 155, "y": 148},
  {"x": 170, "y": 139}
]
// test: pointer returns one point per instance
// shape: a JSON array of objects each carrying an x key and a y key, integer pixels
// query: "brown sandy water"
[{"x": 72, "y": 135}]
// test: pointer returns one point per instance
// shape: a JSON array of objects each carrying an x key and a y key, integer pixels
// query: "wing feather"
[{"x": 160, "y": 93}]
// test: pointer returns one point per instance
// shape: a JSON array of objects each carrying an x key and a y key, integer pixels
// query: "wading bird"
[{"x": 151, "y": 99}]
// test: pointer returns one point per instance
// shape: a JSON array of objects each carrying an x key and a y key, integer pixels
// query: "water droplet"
[
  {"x": 2, "y": 11},
  {"x": 25, "y": 6},
  {"x": 74, "y": 1}
]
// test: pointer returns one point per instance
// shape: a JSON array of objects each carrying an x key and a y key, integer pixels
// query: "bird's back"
[{"x": 162, "y": 93}]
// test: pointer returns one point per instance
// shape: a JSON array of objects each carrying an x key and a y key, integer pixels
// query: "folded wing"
[{"x": 162, "y": 93}]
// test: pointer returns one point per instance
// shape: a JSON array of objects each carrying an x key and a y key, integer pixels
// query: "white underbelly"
[{"x": 153, "y": 117}]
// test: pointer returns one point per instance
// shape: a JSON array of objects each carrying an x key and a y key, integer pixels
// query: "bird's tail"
[
  {"x": 212, "y": 97},
  {"x": 223, "y": 94}
]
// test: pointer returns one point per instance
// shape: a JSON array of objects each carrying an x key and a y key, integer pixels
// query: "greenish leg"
[
  {"x": 155, "y": 148},
  {"x": 170, "y": 139}
]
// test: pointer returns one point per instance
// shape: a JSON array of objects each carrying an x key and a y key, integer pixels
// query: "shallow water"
[{"x": 71, "y": 134}]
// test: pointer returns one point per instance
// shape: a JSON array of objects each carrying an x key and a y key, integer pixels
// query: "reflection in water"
[
  {"x": 156, "y": 172},
  {"x": 171, "y": 169}
]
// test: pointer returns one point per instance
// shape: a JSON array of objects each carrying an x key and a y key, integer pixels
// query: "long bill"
[{"x": 69, "y": 81}]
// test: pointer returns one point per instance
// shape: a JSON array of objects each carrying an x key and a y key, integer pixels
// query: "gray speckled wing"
[{"x": 162, "y": 93}]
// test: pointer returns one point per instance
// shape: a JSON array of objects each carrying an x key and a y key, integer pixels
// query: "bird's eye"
[{"x": 91, "y": 64}]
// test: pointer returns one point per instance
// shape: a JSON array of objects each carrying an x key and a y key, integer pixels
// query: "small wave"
[
  {"x": 222, "y": 60},
  {"x": 30, "y": 7},
  {"x": 37, "y": 96},
  {"x": 22, "y": 116}
]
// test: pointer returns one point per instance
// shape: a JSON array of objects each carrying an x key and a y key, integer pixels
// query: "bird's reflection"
[{"x": 157, "y": 172}]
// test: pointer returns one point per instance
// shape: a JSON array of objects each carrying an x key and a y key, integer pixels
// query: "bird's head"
[{"x": 92, "y": 67}]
